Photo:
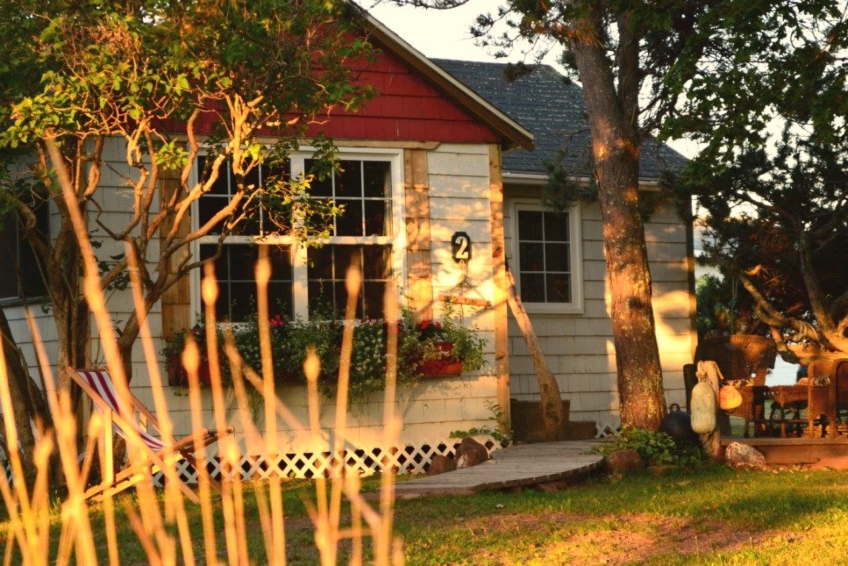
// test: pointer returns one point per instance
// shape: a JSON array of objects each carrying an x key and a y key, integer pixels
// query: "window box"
[
  {"x": 178, "y": 376},
  {"x": 425, "y": 349},
  {"x": 444, "y": 364}
]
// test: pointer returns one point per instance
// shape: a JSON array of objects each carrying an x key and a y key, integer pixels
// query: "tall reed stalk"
[{"x": 161, "y": 522}]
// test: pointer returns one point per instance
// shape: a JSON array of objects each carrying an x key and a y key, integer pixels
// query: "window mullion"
[{"x": 300, "y": 294}]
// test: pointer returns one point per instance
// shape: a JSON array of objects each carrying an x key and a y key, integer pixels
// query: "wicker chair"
[
  {"x": 743, "y": 358},
  {"x": 834, "y": 374}
]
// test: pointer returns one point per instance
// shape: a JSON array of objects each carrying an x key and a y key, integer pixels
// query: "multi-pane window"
[
  {"x": 305, "y": 279},
  {"x": 234, "y": 269},
  {"x": 364, "y": 189},
  {"x": 257, "y": 221},
  {"x": 547, "y": 256},
  {"x": 21, "y": 276}
]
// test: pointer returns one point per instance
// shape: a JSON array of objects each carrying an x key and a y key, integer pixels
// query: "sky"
[{"x": 441, "y": 33}]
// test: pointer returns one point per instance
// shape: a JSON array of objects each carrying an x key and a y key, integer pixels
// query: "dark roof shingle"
[{"x": 553, "y": 109}]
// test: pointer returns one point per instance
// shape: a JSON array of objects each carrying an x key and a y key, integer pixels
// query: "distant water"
[{"x": 783, "y": 373}]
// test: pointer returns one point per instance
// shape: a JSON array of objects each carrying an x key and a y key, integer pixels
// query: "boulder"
[
  {"x": 738, "y": 455},
  {"x": 470, "y": 453},
  {"x": 441, "y": 464},
  {"x": 623, "y": 461}
]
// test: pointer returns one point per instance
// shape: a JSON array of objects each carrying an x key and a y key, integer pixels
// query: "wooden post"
[
  {"x": 500, "y": 283},
  {"x": 548, "y": 386}
]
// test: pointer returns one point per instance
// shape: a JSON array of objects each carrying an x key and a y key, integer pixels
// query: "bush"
[{"x": 655, "y": 447}]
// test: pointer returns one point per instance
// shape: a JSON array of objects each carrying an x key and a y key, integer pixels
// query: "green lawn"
[{"x": 710, "y": 516}]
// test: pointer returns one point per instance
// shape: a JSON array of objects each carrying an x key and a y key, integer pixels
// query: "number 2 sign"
[{"x": 460, "y": 246}]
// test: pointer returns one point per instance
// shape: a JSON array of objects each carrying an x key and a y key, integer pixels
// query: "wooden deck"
[
  {"x": 535, "y": 464},
  {"x": 516, "y": 466},
  {"x": 804, "y": 451}
]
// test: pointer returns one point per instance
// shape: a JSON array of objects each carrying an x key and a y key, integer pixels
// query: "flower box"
[
  {"x": 425, "y": 349},
  {"x": 178, "y": 376},
  {"x": 444, "y": 364}
]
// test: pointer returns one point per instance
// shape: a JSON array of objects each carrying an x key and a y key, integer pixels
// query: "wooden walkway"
[{"x": 516, "y": 466}]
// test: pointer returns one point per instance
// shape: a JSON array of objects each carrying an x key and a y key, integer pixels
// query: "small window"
[
  {"x": 546, "y": 249},
  {"x": 22, "y": 277}
]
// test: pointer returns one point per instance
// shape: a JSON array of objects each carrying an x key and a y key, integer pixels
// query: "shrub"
[{"x": 655, "y": 447}]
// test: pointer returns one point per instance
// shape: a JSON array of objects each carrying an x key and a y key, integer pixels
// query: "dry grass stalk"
[{"x": 150, "y": 516}]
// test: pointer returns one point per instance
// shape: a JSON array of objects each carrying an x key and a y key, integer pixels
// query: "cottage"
[{"x": 442, "y": 181}]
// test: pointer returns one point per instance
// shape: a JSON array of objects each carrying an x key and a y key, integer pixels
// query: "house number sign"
[{"x": 460, "y": 247}]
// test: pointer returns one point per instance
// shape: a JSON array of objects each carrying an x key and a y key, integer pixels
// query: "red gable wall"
[{"x": 406, "y": 108}]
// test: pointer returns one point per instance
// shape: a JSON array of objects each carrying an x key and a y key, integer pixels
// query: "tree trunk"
[
  {"x": 29, "y": 404},
  {"x": 615, "y": 147},
  {"x": 548, "y": 387},
  {"x": 23, "y": 409}
]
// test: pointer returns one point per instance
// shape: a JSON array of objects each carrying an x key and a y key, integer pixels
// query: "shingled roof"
[{"x": 553, "y": 109}]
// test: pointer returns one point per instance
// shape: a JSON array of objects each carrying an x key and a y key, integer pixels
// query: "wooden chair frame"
[{"x": 132, "y": 424}]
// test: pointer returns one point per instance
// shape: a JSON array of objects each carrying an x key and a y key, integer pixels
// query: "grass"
[{"x": 708, "y": 516}]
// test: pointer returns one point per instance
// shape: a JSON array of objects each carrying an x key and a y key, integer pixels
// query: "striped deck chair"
[{"x": 132, "y": 425}]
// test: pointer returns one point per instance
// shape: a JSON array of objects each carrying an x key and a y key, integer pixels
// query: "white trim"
[
  {"x": 539, "y": 179},
  {"x": 576, "y": 259},
  {"x": 300, "y": 295}
]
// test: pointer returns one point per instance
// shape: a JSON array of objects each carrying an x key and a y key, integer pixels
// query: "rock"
[
  {"x": 470, "y": 453},
  {"x": 625, "y": 460},
  {"x": 441, "y": 464},
  {"x": 740, "y": 455}
]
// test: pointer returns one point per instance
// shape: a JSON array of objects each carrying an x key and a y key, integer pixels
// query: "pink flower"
[{"x": 277, "y": 322}]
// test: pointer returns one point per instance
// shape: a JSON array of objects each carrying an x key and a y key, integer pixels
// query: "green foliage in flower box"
[{"x": 418, "y": 343}]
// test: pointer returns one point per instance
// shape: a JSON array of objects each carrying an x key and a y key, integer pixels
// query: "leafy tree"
[
  {"x": 83, "y": 81},
  {"x": 724, "y": 308},
  {"x": 773, "y": 175},
  {"x": 789, "y": 254}
]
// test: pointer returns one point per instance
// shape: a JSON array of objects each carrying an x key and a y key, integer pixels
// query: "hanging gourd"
[
  {"x": 729, "y": 398},
  {"x": 703, "y": 406}
]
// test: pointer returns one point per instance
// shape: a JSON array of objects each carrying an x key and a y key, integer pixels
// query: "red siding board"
[
  {"x": 414, "y": 107},
  {"x": 389, "y": 62},
  {"x": 416, "y": 130}
]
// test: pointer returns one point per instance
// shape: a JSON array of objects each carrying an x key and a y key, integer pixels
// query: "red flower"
[{"x": 277, "y": 322}]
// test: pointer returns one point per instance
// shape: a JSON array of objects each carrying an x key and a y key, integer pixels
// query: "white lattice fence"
[{"x": 406, "y": 459}]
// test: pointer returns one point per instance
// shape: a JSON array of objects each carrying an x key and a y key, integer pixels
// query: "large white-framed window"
[
  {"x": 304, "y": 278},
  {"x": 546, "y": 256}
]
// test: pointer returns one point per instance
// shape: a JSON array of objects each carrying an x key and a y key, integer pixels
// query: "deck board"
[{"x": 516, "y": 466}]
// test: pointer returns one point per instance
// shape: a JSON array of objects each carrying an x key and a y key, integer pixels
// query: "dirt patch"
[{"x": 616, "y": 539}]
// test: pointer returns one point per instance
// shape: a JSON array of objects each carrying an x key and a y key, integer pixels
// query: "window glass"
[
  {"x": 361, "y": 236},
  {"x": 327, "y": 269},
  {"x": 21, "y": 276},
  {"x": 227, "y": 184},
  {"x": 234, "y": 270},
  {"x": 544, "y": 256}
]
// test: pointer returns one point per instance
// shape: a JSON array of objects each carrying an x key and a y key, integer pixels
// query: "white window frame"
[
  {"x": 575, "y": 250},
  {"x": 300, "y": 291}
]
